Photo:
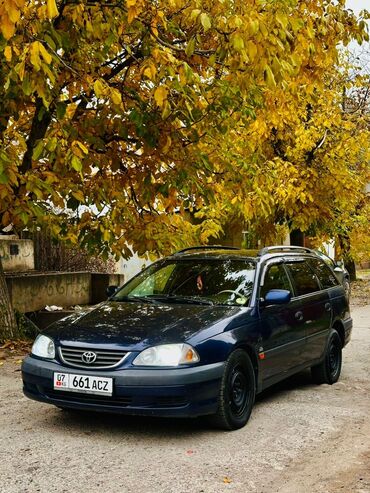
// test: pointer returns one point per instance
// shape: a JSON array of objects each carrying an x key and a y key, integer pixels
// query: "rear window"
[
  {"x": 304, "y": 278},
  {"x": 324, "y": 273}
]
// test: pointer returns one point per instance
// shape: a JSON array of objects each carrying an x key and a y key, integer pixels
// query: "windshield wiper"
[
  {"x": 172, "y": 298},
  {"x": 140, "y": 299}
]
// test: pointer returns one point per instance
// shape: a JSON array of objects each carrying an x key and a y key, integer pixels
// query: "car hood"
[{"x": 135, "y": 326}]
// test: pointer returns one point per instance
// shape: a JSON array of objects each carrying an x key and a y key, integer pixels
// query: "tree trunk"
[
  {"x": 296, "y": 237},
  {"x": 8, "y": 324},
  {"x": 349, "y": 263}
]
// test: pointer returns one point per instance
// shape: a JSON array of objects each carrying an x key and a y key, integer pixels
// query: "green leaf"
[
  {"x": 205, "y": 21},
  {"x": 3, "y": 179},
  {"x": 38, "y": 150},
  {"x": 50, "y": 42},
  {"x": 61, "y": 109},
  {"x": 76, "y": 163},
  {"x": 189, "y": 50},
  {"x": 24, "y": 217},
  {"x": 27, "y": 85}
]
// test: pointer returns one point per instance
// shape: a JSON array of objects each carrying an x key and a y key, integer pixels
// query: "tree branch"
[{"x": 40, "y": 123}]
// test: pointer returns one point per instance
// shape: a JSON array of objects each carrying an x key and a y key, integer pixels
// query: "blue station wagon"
[{"x": 197, "y": 333}]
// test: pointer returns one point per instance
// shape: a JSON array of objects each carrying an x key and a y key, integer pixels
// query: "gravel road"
[{"x": 301, "y": 438}]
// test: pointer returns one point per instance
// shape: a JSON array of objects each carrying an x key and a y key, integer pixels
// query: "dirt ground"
[{"x": 301, "y": 438}]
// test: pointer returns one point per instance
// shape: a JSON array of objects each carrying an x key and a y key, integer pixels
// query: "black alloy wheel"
[{"x": 237, "y": 392}]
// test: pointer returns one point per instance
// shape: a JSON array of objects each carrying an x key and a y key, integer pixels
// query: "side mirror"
[
  {"x": 111, "y": 290},
  {"x": 277, "y": 297}
]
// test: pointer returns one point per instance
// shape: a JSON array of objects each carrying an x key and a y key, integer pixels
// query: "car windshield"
[{"x": 202, "y": 281}]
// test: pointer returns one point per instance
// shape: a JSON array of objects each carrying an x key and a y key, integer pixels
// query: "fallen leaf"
[
  {"x": 227, "y": 480},
  {"x": 6, "y": 345}
]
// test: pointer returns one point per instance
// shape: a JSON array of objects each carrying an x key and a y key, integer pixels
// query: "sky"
[
  {"x": 357, "y": 5},
  {"x": 361, "y": 51}
]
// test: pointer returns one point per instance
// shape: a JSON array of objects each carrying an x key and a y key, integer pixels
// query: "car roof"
[{"x": 219, "y": 251}]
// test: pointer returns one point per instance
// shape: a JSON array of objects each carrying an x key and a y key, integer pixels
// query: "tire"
[
  {"x": 328, "y": 371},
  {"x": 237, "y": 392}
]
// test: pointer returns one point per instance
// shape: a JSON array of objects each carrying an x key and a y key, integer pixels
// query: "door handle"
[
  {"x": 327, "y": 307},
  {"x": 299, "y": 316}
]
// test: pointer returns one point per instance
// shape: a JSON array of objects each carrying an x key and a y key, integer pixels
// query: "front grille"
[
  {"x": 136, "y": 401},
  {"x": 89, "y": 398},
  {"x": 105, "y": 358}
]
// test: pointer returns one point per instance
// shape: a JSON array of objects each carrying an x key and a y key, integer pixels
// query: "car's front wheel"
[
  {"x": 328, "y": 371},
  {"x": 237, "y": 392}
]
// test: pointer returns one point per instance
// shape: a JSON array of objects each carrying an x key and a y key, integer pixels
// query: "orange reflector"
[
  {"x": 261, "y": 356},
  {"x": 189, "y": 355}
]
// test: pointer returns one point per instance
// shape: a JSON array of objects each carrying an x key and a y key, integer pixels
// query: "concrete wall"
[
  {"x": 17, "y": 255},
  {"x": 33, "y": 291}
]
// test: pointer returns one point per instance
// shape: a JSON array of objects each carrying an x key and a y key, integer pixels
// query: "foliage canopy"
[{"x": 118, "y": 118}]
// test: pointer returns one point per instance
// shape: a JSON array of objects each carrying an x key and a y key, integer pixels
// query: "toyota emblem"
[{"x": 88, "y": 357}]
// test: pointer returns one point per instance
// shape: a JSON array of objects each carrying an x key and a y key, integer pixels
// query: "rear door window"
[
  {"x": 304, "y": 278},
  {"x": 324, "y": 273}
]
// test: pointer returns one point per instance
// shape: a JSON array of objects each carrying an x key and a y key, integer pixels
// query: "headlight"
[
  {"x": 167, "y": 355},
  {"x": 43, "y": 347}
]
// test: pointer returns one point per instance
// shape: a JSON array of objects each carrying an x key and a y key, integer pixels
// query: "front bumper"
[{"x": 181, "y": 392}]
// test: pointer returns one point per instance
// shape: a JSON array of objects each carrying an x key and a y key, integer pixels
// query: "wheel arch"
[
  {"x": 338, "y": 326},
  {"x": 253, "y": 357}
]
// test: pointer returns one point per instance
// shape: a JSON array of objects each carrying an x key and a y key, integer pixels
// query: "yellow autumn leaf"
[
  {"x": 150, "y": 71},
  {"x": 13, "y": 13},
  {"x": 160, "y": 95},
  {"x": 106, "y": 235},
  {"x": 52, "y": 9},
  {"x": 252, "y": 50},
  {"x": 8, "y": 53},
  {"x": 20, "y": 69},
  {"x": 116, "y": 96},
  {"x": 99, "y": 88},
  {"x": 83, "y": 148},
  {"x": 79, "y": 196},
  {"x": 35, "y": 55},
  {"x": 269, "y": 77},
  {"x": 133, "y": 12},
  {"x": 7, "y": 27},
  {"x": 45, "y": 54}
]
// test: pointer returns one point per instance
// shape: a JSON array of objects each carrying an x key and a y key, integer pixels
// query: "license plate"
[{"x": 85, "y": 384}]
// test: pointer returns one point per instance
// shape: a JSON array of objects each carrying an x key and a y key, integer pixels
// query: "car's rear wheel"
[
  {"x": 237, "y": 392},
  {"x": 329, "y": 370}
]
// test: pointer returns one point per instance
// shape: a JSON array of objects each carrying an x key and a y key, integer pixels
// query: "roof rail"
[
  {"x": 284, "y": 248},
  {"x": 209, "y": 247}
]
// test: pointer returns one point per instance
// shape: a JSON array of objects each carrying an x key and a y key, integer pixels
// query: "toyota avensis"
[{"x": 197, "y": 333}]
